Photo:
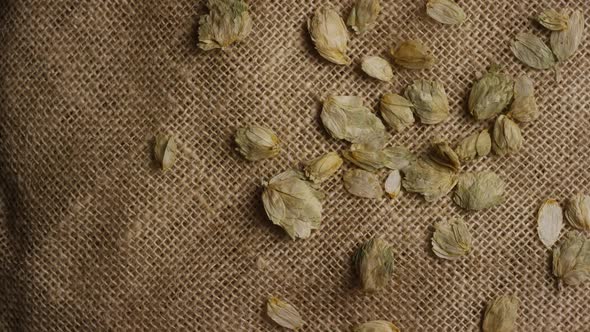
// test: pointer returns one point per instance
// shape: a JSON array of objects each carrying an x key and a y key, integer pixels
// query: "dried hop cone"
[
  {"x": 364, "y": 15},
  {"x": 428, "y": 178},
  {"x": 532, "y": 51},
  {"x": 430, "y": 101},
  {"x": 501, "y": 314},
  {"x": 377, "y": 68},
  {"x": 549, "y": 222},
  {"x": 362, "y": 184},
  {"x": 257, "y": 142},
  {"x": 553, "y": 20},
  {"x": 330, "y": 36},
  {"x": 565, "y": 43},
  {"x": 577, "y": 212},
  {"x": 397, "y": 111},
  {"x": 507, "y": 137},
  {"x": 322, "y": 168},
  {"x": 228, "y": 22},
  {"x": 292, "y": 203},
  {"x": 283, "y": 314},
  {"x": 442, "y": 154},
  {"x": 475, "y": 145},
  {"x": 478, "y": 191},
  {"x": 451, "y": 239},
  {"x": 413, "y": 54},
  {"x": 377, "y": 326},
  {"x": 571, "y": 259},
  {"x": 393, "y": 184},
  {"x": 445, "y": 11},
  {"x": 374, "y": 264},
  {"x": 165, "y": 151},
  {"x": 345, "y": 117},
  {"x": 490, "y": 94},
  {"x": 370, "y": 159},
  {"x": 524, "y": 107}
]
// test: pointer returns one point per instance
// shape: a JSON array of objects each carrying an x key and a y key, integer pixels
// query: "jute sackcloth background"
[{"x": 94, "y": 238}]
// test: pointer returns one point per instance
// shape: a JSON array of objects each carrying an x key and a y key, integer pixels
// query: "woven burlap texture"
[{"x": 94, "y": 238}]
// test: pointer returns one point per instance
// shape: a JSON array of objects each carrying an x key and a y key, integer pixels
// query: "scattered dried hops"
[
  {"x": 228, "y": 22},
  {"x": 577, "y": 212},
  {"x": 377, "y": 326},
  {"x": 477, "y": 191},
  {"x": 553, "y": 20},
  {"x": 292, "y": 203},
  {"x": 564, "y": 43},
  {"x": 490, "y": 94},
  {"x": 532, "y": 51},
  {"x": 374, "y": 264},
  {"x": 549, "y": 222},
  {"x": 429, "y": 101},
  {"x": 475, "y": 145},
  {"x": 362, "y": 183},
  {"x": 364, "y": 15},
  {"x": 441, "y": 153},
  {"x": 378, "y": 68},
  {"x": 346, "y": 118},
  {"x": 524, "y": 107},
  {"x": 370, "y": 159},
  {"x": 257, "y": 142},
  {"x": 445, "y": 11},
  {"x": 501, "y": 314},
  {"x": 330, "y": 35},
  {"x": 322, "y": 168},
  {"x": 507, "y": 138},
  {"x": 283, "y": 314},
  {"x": 451, "y": 239},
  {"x": 393, "y": 183},
  {"x": 428, "y": 178},
  {"x": 413, "y": 54},
  {"x": 571, "y": 259},
  {"x": 165, "y": 151},
  {"x": 397, "y": 111}
]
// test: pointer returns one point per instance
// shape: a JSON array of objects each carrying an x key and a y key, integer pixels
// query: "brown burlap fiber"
[{"x": 94, "y": 238}]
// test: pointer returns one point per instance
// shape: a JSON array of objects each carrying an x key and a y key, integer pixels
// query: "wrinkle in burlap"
[{"x": 94, "y": 238}]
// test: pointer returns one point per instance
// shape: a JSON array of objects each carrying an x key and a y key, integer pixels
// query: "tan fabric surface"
[{"x": 94, "y": 238}]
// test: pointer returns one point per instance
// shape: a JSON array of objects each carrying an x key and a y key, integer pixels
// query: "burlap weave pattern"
[{"x": 94, "y": 238}]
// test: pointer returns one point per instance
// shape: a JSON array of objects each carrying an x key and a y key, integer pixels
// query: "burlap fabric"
[{"x": 94, "y": 238}]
